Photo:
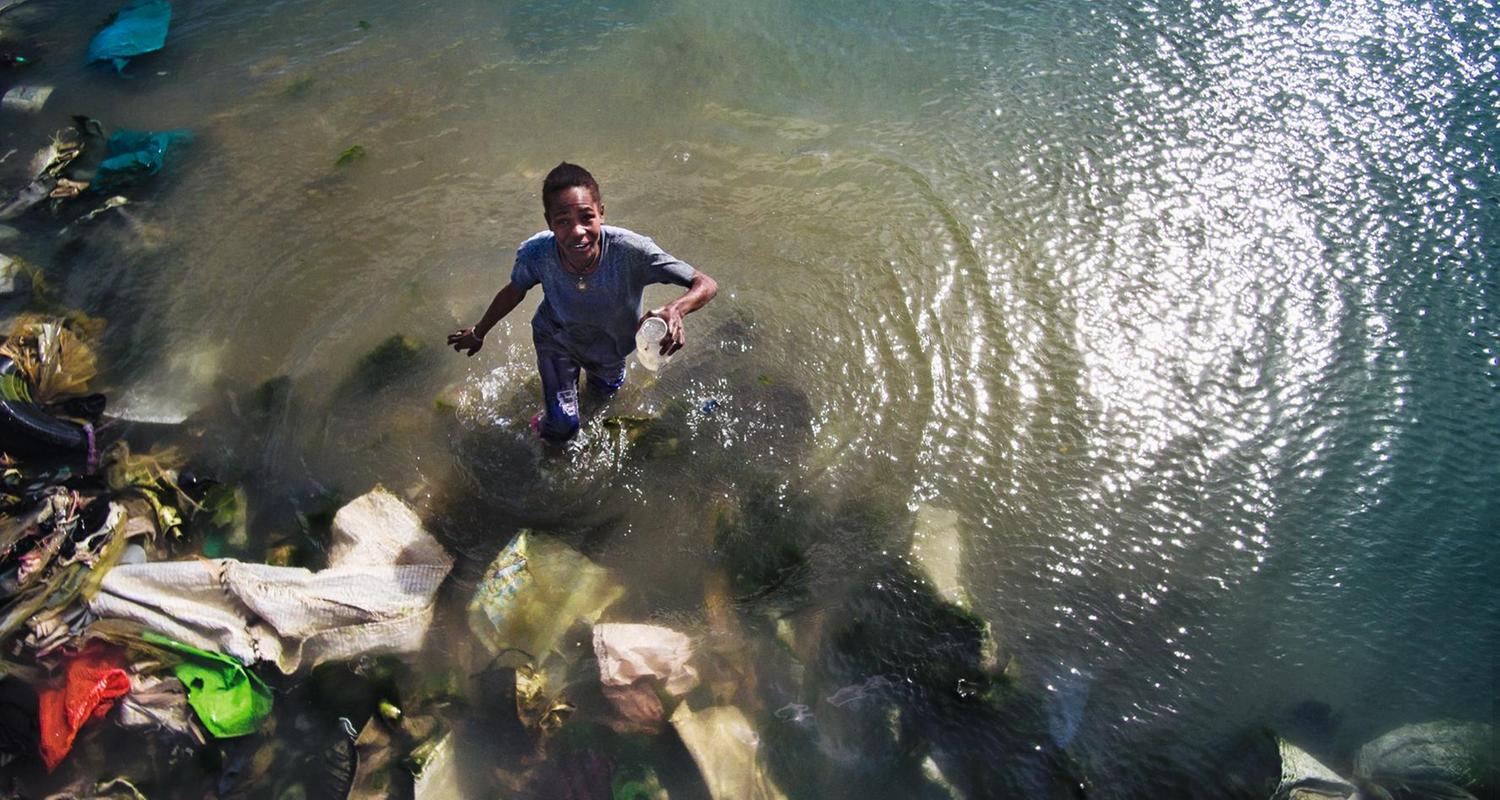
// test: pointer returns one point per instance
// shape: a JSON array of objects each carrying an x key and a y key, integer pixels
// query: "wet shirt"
[{"x": 595, "y": 324}]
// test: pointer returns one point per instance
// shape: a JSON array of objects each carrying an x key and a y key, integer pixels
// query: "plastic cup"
[{"x": 648, "y": 343}]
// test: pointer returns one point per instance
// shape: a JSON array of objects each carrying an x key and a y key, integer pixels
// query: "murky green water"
[{"x": 1187, "y": 309}]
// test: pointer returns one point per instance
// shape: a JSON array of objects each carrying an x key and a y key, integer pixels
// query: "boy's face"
[{"x": 574, "y": 217}]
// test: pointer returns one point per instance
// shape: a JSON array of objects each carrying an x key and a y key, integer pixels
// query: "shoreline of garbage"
[{"x": 348, "y": 676}]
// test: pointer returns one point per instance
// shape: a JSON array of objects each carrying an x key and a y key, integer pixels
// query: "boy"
[{"x": 591, "y": 277}]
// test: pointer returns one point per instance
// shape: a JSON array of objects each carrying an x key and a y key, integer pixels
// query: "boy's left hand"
[{"x": 675, "y": 338}]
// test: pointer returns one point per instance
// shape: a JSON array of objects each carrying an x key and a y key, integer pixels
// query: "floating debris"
[
  {"x": 10, "y": 269},
  {"x": 534, "y": 591},
  {"x": 1445, "y": 758},
  {"x": 363, "y": 604},
  {"x": 26, "y": 99},
  {"x": 131, "y": 156},
  {"x": 138, "y": 28},
  {"x": 47, "y": 168}
]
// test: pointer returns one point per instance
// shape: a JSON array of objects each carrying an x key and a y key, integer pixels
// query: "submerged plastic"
[
  {"x": 1457, "y": 756},
  {"x": 628, "y": 652},
  {"x": 140, "y": 27},
  {"x": 937, "y": 551},
  {"x": 94, "y": 679},
  {"x": 228, "y": 699},
  {"x": 727, "y": 751},
  {"x": 26, "y": 99},
  {"x": 133, "y": 155},
  {"x": 534, "y": 591},
  {"x": 1304, "y": 777}
]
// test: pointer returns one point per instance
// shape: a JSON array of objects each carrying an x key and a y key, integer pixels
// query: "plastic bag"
[
  {"x": 133, "y": 155},
  {"x": 1304, "y": 777},
  {"x": 230, "y": 700},
  {"x": 158, "y": 703},
  {"x": 628, "y": 652},
  {"x": 138, "y": 28},
  {"x": 534, "y": 591},
  {"x": 377, "y": 528},
  {"x": 727, "y": 751}
]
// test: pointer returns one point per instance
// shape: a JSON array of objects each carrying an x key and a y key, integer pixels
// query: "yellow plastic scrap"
[
  {"x": 56, "y": 361},
  {"x": 535, "y": 707},
  {"x": 534, "y": 591},
  {"x": 152, "y": 476}
]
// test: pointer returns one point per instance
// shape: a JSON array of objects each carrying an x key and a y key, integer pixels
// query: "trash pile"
[
  {"x": 545, "y": 678},
  {"x": 109, "y": 616},
  {"x": 81, "y": 160},
  {"x": 129, "y": 157}
]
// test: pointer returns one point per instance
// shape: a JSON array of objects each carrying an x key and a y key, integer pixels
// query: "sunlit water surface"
[{"x": 1187, "y": 309}]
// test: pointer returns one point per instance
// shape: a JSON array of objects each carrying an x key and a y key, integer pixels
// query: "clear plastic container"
[{"x": 648, "y": 343}]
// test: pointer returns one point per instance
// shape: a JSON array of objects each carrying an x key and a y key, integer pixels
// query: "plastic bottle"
[{"x": 648, "y": 343}]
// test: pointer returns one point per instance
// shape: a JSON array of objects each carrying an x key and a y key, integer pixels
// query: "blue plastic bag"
[
  {"x": 133, "y": 155},
  {"x": 140, "y": 27}
]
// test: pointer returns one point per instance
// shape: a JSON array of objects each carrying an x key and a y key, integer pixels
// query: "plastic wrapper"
[{"x": 533, "y": 592}]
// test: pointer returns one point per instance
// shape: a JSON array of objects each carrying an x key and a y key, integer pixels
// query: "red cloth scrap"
[{"x": 94, "y": 679}]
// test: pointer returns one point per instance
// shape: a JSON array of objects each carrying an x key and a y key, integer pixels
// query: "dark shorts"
[{"x": 559, "y": 372}]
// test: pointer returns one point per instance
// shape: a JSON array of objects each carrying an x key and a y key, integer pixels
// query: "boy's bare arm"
[
  {"x": 700, "y": 291},
  {"x": 471, "y": 339}
]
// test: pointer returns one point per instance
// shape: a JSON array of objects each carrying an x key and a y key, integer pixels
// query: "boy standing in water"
[{"x": 592, "y": 276}]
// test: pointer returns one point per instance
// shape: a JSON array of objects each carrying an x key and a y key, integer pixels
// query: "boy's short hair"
[{"x": 566, "y": 176}]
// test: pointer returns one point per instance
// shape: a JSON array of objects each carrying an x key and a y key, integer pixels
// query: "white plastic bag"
[{"x": 628, "y": 652}]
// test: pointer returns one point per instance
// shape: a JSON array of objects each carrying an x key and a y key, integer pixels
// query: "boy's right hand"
[{"x": 466, "y": 339}]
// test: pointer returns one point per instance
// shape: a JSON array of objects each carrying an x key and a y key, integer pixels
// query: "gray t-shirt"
[{"x": 596, "y": 324}]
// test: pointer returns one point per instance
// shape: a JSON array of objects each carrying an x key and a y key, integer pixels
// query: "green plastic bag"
[{"x": 229, "y": 699}]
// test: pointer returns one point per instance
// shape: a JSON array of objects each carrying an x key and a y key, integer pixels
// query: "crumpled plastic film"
[
  {"x": 230, "y": 700},
  {"x": 133, "y": 155},
  {"x": 727, "y": 751},
  {"x": 628, "y": 652},
  {"x": 140, "y": 27},
  {"x": 534, "y": 591},
  {"x": 157, "y": 703}
]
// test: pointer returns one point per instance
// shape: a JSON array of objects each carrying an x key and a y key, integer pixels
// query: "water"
[{"x": 1187, "y": 310}]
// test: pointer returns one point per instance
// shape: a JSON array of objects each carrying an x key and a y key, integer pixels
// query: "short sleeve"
[
  {"x": 658, "y": 266},
  {"x": 523, "y": 275}
]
